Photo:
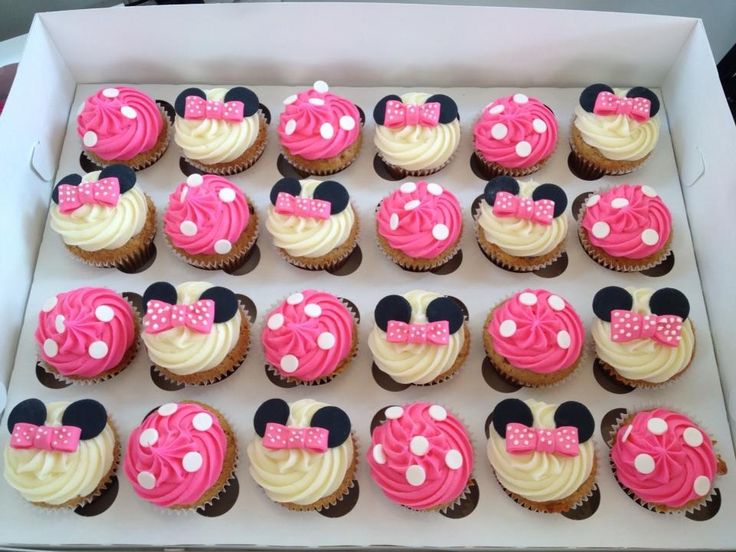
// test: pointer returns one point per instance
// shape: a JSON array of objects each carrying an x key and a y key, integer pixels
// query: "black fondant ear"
[
  {"x": 511, "y": 411},
  {"x": 125, "y": 175},
  {"x": 379, "y": 112},
  {"x": 88, "y": 415},
  {"x": 669, "y": 301},
  {"x": 73, "y": 179},
  {"x": 611, "y": 298},
  {"x": 444, "y": 308},
  {"x": 575, "y": 414},
  {"x": 29, "y": 411},
  {"x": 181, "y": 99},
  {"x": 335, "y": 421},
  {"x": 553, "y": 192},
  {"x": 448, "y": 107},
  {"x": 643, "y": 92},
  {"x": 273, "y": 410},
  {"x": 392, "y": 307},
  {"x": 161, "y": 291},
  {"x": 335, "y": 193},
  {"x": 226, "y": 304},
  {"x": 500, "y": 184},
  {"x": 590, "y": 94},
  {"x": 289, "y": 186},
  {"x": 245, "y": 95}
]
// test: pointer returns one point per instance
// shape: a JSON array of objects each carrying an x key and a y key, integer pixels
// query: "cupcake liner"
[
  {"x": 494, "y": 169},
  {"x": 310, "y": 170},
  {"x": 398, "y": 171}
]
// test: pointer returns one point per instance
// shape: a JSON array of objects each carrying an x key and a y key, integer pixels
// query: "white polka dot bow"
[
  {"x": 607, "y": 103},
  {"x": 287, "y": 204},
  {"x": 279, "y": 437},
  {"x": 51, "y": 438},
  {"x": 629, "y": 325},
  {"x": 399, "y": 114},
  {"x": 521, "y": 439},
  {"x": 160, "y": 316},
  {"x": 509, "y": 205},
  {"x": 199, "y": 108},
  {"x": 434, "y": 333},
  {"x": 100, "y": 192}
]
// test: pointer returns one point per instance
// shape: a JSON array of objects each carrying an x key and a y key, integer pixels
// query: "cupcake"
[
  {"x": 419, "y": 225},
  {"x": 310, "y": 337},
  {"x": 220, "y": 130},
  {"x": 664, "y": 460},
  {"x": 421, "y": 457},
  {"x": 521, "y": 225},
  {"x": 195, "y": 333},
  {"x": 542, "y": 454},
  {"x": 320, "y": 131},
  {"x": 643, "y": 337},
  {"x": 104, "y": 219},
  {"x": 88, "y": 334},
  {"x": 312, "y": 223},
  {"x": 416, "y": 134},
  {"x": 419, "y": 338},
  {"x": 122, "y": 126},
  {"x": 304, "y": 455},
  {"x": 60, "y": 454},
  {"x": 613, "y": 131},
  {"x": 181, "y": 456},
  {"x": 210, "y": 223},
  {"x": 515, "y": 135},
  {"x": 626, "y": 228},
  {"x": 534, "y": 338}
]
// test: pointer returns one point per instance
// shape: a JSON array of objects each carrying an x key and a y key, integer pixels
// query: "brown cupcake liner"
[
  {"x": 593, "y": 163},
  {"x": 325, "y": 167}
]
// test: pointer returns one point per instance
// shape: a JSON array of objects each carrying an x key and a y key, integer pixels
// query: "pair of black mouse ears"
[
  {"x": 333, "y": 192},
  {"x": 125, "y": 175},
  {"x": 511, "y": 185},
  {"x": 86, "y": 414},
  {"x": 333, "y": 419},
  {"x": 590, "y": 94},
  {"x": 448, "y": 108},
  {"x": 251, "y": 105},
  {"x": 396, "y": 307},
  {"x": 226, "y": 303},
  {"x": 665, "y": 301},
  {"x": 570, "y": 413}
]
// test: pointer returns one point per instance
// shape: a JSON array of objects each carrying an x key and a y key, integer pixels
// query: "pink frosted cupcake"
[
  {"x": 515, "y": 135},
  {"x": 310, "y": 337},
  {"x": 209, "y": 222},
  {"x": 122, "y": 125},
  {"x": 87, "y": 334},
  {"x": 419, "y": 225},
  {"x": 320, "y": 131}
]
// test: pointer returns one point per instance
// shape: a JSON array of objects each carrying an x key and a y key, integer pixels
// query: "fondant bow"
[
  {"x": 287, "y": 204},
  {"x": 99, "y": 192},
  {"x": 541, "y": 211},
  {"x": 279, "y": 437},
  {"x": 629, "y": 325},
  {"x": 199, "y": 108},
  {"x": 44, "y": 437},
  {"x": 607, "y": 103},
  {"x": 161, "y": 316},
  {"x": 435, "y": 333},
  {"x": 399, "y": 114},
  {"x": 521, "y": 439}
]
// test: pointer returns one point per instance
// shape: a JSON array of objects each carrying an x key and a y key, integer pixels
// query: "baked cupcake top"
[
  {"x": 60, "y": 451},
  {"x": 308, "y": 335},
  {"x": 516, "y": 132},
  {"x": 190, "y": 328},
  {"x": 628, "y": 221},
  {"x": 309, "y": 218},
  {"x": 537, "y": 330},
  {"x": 302, "y": 451},
  {"x": 317, "y": 124},
  {"x": 417, "y": 131},
  {"x": 421, "y": 456},
  {"x": 643, "y": 334},
  {"x": 206, "y": 215},
  {"x": 99, "y": 210},
  {"x": 417, "y": 336},
  {"x": 85, "y": 332},
  {"x": 620, "y": 123},
  {"x": 216, "y": 125},
  {"x": 177, "y": 454},
  {"x": 118, "y": 123},
  {"x": 539, "y": 451},
  {"x": 521, "y": 217},
  {"x": 664, "y": 458}
]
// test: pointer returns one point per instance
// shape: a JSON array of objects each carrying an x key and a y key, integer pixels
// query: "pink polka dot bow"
[
  {"x": 629, "y": 325},
  {"x": 509, "y": 205},
  {"x": 279, "y": 437},
  {"x": 287, "y": 204},
  {"x": 521, "y": 439},
  {"x": 100, "y": 192},
  {"x": 607, "y": 103},
  {"x": 199, "y": 108},
  {"x": 51, "y": 438},
  {"x": 160, "y": 316},
  {"x": 399, "y": 114},
  {"x": 435, "y": 333}
]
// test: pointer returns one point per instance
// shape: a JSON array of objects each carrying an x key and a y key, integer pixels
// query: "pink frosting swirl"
[
  {"x": 206, "y": 215},
  {"x": 324, "y": 124},
  {"x": 124, "y": 122},
  {"x": 421, "y": 456},
  {"x": 86, "y": 331},
  {"x": 629, "y": 221},
  {"x": 308, "y": 335},
  {"x": 516, "y": 132},
  {"x": 664, "y": 458},
  {"x": 538, "y": 331},
  {"x": 176, "y": 454},
  {"x": 421, "y": 220}
]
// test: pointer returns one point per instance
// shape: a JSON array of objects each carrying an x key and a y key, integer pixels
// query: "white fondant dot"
[
  {"x": 419, "y": 445},
  {"x": 110, "y": 92},
  {"x": 393, "y": 221},
  {"x": 378, "y": 455},
  {"x": 528, "y": 298},
  {"x": 313, "y": 310},
  {"x": 413, "y": 204},
  {"x": 290, "y": 127},
  {"x": 326, "y": 341},
  {"x": 223, "y": 247},
  {"x": 89, "y": 139},
  {"x": 290, "y": 99},
  {"x": 649, "y": 191},
  {"x": 103, "y": 313},
  {"x": 701, "y": 485},
  {"x": 499, "y": 131},
  {"x": 408, "y": 187},
  {"x": 692, "y": 437},
  {"x": 521, "y": 98},
  {"x": 146, "y": 480},
  {"x": 195, "y": 179},
  {"x": 50, "y": 304},
  {"x": 539, "y": 126},
  {"x": 649, "y": 236},
  {"x": 192, "y": 461},
  {"x": 601, "y": 229},
  {"x": 316, "y": 101},
  {"x": 394, "y": 412},
  {"x": 644, "y": 463},
  {"x": 415, "y": 475},
  {"x": 295, "y": 298},
  {"x": 496, "y": 109},
  {"x": 523, "y": 149},
  {"x": 347, "y": 122},
  {"x": 227, "y": 195},
  {"x": 202, "y": 421},
  {"x": 50, "y": 348},
  {"x": 275, "y": 321},
  {"x": 434, "y": 189},
  {"x": 98, "y": 349},
  {"x": 437, "y": 413},
  {"x": 619, "y": 202},
  {"x": 440, "y": 232},
  {"x": 167, "y": 409},
  {"x": 556, "y": 302},
  {"x": 453, "y": 459},
  {"x": 563, "y": 339},
  {"x": 321, "y": 86},
  {"x": 507, "y": 328},
  {"x": 327, "y": 131},
  {"x": 188, "y": 228},
  {"x": 148, "y": 437},
  {"x": 59, "y": 323},
  {"x": 657, "y": 426},
  {"x": 592, "y": 200},
  {"x": 289, "y": 363},
  {"x": 128, "y": 112}
]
